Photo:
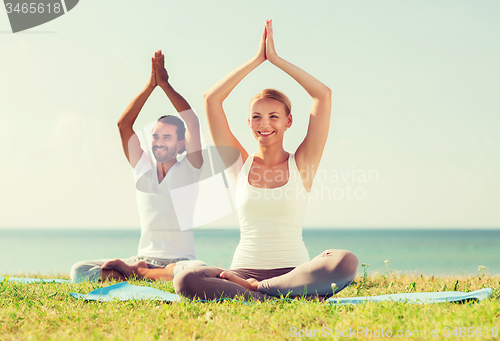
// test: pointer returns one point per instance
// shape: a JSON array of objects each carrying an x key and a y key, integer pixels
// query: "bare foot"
[
  {"x": 161, "y": 274},
  {"x": 250, "y": 284},
  {"x": 128, "y": 270},
  {"x": 108, "y": 275}
]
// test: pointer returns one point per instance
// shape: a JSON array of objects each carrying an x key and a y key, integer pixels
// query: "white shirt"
[
  {"x": 161, "y": 216},
  {"x": 271, "y": 222}
]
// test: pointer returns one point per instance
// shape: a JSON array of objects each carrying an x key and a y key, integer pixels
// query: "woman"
[{"x": 272, "y": 188}]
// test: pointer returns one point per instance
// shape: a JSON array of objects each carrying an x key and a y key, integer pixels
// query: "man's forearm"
[
  {"x": 179, "y": 103},
  {"x": 192, "y": 136},
  {"x": 134, "y": 108}
]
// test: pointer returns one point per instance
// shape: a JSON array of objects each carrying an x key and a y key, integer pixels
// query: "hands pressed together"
[
  {"x": 159, "y": 75},
  {"x": 266, "y": 49}
]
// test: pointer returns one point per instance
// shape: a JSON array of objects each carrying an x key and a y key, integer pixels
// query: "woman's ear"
[{"x": 290, "y": 120}]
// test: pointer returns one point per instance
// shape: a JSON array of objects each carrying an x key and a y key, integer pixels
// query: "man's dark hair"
[{"x": 180, "y": 128}]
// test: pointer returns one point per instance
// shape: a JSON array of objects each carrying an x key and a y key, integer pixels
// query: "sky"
[{"x": 413, "y": 137}]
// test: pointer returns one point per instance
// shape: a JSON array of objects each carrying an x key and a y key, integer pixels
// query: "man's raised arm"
[
  {"x": 130, "y": 141},
  {"x": 192, "y": 136}
]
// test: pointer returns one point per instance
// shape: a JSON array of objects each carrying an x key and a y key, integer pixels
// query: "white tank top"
[{"x": 270, "y": 222}]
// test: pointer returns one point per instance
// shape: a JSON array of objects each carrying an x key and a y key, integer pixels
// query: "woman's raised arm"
[
  {"x": 308, "y": 154},
  {"x": 217, "y": 121}
]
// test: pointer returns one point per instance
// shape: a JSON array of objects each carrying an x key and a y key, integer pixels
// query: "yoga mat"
[
  {"x": 124, "y": 292},
  {"x": 27, "y": 280},
  {"x": 419, "y": 297}
]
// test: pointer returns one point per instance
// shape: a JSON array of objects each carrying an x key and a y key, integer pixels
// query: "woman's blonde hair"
[{"x": 274, "y": 94}]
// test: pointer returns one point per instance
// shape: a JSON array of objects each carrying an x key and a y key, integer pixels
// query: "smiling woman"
[
  {"x": 269, "y": 115},
  {"x": 271, "y": 258}
]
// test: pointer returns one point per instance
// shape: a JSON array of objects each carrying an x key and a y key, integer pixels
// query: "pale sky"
[{"x": 416, "y": 105}]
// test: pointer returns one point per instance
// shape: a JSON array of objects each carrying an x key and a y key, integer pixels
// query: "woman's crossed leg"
[{"x": 311, "y": 278}]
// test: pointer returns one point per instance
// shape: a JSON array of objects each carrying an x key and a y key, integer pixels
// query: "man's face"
[{"x": 165, "y": 145}]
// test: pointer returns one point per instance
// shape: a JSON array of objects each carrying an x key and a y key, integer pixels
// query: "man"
[{"x": 165, "y": 247}]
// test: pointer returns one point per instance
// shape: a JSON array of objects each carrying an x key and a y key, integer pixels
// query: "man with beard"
[{"x": 166, "y": 245}]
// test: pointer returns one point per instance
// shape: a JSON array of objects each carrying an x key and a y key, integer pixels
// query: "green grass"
[{"x": 47, "y": 312}]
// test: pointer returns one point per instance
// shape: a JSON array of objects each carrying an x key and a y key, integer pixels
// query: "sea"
[{"x": 438, "y": 252}]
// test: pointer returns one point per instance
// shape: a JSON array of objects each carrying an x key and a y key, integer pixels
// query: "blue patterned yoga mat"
[
  {"x": 419, "y": 297},
  {"x": 124, "y": 292},
  {"x": 27, "y": 280}
]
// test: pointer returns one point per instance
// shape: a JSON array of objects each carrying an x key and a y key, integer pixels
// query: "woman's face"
[{"x": 268, "y": 120}]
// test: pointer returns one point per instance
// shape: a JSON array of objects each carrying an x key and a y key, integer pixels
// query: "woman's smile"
[{"x": 266, "y": 133}]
